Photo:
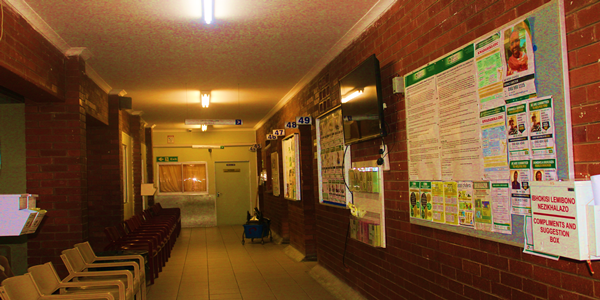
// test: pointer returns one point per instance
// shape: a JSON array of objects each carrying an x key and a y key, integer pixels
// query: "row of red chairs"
[{"x": 155, "y": 230}]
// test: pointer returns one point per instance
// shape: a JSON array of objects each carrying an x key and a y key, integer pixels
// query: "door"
[{"x": 233, "y": 192}]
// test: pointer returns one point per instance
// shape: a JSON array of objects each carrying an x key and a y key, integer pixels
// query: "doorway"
[{"x": 232, "y": 181}]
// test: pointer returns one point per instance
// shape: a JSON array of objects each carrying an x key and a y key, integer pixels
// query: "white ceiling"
[{"x": 255, "y": 54}]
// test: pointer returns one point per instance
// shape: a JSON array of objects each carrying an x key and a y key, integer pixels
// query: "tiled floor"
[{"x": 212, "y": 263}]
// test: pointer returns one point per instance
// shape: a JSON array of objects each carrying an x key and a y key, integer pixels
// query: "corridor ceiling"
[{"x": 253, "y": 57}]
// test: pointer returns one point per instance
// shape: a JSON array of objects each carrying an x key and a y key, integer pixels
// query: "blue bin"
[{"x": 256, "y": 231}]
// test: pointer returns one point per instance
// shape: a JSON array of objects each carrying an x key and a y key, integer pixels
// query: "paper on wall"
[
  {"x": 414, "y": 199},
  {"x": 483, "y": 206},
  {"x": 517, "y": 130},
  {"x": 426, "y": 207},
  {"x": 488, "y": 57},
  {"x": 501, "y": 208},
  {"x": 465, "y": 204},
  {"x": 520, "y": 193},
  {"x": 519, "y": 82},
  {"x": 437, "y": 191},
  {"x": 451, "y": 202},
  {"x": 494, "y": 143},
  {"x": 544, "y": 169},
  {"x": 541, "y": 116}
]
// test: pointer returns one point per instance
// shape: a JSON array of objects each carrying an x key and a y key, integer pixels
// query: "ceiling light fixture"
[
  {"x": 204, "y": 127},
  {"x": 208, "y": 11},
  {"x": 205, "y": 95},
  {"x": 351, "y": 96}
]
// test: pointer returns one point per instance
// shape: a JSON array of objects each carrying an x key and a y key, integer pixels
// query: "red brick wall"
[
  {"x": 149, "y": 161},
  {"x": 425, "y": 263},
  {"x": 138, "y": 136},
  {"x": 56, "y": 169},
  {"x": 105, "y": 198},
  {"x": 29, "y": 64}
]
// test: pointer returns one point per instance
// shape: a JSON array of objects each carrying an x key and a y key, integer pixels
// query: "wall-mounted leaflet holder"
[
  {"x": 565, "y": 219},
  {"x": 18, "y": 214},
  {"x": 367, "y": 223}
]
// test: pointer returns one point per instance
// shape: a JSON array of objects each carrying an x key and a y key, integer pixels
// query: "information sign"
[
  {"x": 167, "y": 158},
  {"x": 304, "y": 120}
]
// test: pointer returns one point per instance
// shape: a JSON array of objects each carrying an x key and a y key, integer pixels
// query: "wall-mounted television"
[{"x": 362, "y": 103}]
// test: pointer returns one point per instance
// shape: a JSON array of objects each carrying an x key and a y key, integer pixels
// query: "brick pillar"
[
  {"x": 149, "y": 161},
  {"x": 56, "y": 169},
  {"x": 105, "y": 198},
  {"x": 136, "y": 134}
]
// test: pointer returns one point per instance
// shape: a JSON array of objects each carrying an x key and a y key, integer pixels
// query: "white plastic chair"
[
  {"x": 23, "y": 288},
  {"x": 48, "y": 283},
  {"x": 3, "y": 294},
  {"x": 93, "y": 261},
  {"x": 78, "y": 270}
]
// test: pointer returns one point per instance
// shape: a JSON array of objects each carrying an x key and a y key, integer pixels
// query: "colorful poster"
[
  {"x": 483, "y": 206},
  {"x": 488, "y": 57},
  {"x": 519, "y": 82},
  {"x": 437, "y": 191},
  {"x": 517, "y": 130},
  {"x": 465, "y": 204},
  {"x": 459, "y": 128},
  {"x": 501, "y": 208},
  {"x": 426, "y": 205},
  {"x": 541, "y": 127},
  {"x": 520, "y": 194},
  {"x": 451, "y": 202},
  {"x": 422, "y": 123},
  {"x": 291, "y": 171},
  {"x": 544, "y": 169},
  {"x": 330, "y": 137},
  {"x": 414, "y": 199},
  {"x": 494, "y": 143}
]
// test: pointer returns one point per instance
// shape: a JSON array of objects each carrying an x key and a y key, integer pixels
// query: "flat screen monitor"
[{"x": 362, "y": 103}]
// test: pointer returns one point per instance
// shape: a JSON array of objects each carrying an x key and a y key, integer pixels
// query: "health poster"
[
  {"x": 520, "y": 194},
  {"x": 426, "y": 205},
  {"x": 451, "y": 202},
  {"x": 483, "y": 207},
  {"x": 494, "y": 143},
  {"x": 437, "y": 191},
  {"x": 465, "y": 204},
  {"x": 488, "y": 58},
  {"x": 519, "y": 82},
  {"x": 517, "y": 130},
  {"x": 501, "y": 208},
  {"x": 414, "y": 199},
  {"x": 544, "y": 169},
  {"x": 459, "y": 130},
  {"x": 330, "y": 147},
  {"x": 541, "y": 127},
  {"x": 422, "y": 123}
]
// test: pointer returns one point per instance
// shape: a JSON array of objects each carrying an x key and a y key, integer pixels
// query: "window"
[{"x": 183, "y": 178}]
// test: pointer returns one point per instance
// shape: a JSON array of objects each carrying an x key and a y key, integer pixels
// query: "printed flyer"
[
  {"x": 520, "y": 196},
  {"x": 459, "y": 128},
  {"x": 465, "y": 204},
  {"x": 542, "y": 127},
  {"x": 501, "y": 208},
  {"x": 494, "y": 143},
  {"x": 519, "y": 82},
  {"x": 483, "y": 206},
  {"x": 451, "y": 202},
  {"x": 422, "y": 123},
  {"x": 488, "y": 57},
  {"x": 544, "y": 169},
  {"x": 414, "y": 199},
  {"x": 517, "y": 130},
  {"x": 437, "y": 191},
  {"x": 331, "y": 159},
  {"x": 426, "y": 207}
]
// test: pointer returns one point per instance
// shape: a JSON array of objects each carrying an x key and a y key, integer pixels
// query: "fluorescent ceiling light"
[
  {"x": 204, "y": 127},
  {"x": 351, "y": 96},
  {"x": 205, "y": 98},
  {"x": 207, "y": 147},
  {"x": 208, "y": 11}
]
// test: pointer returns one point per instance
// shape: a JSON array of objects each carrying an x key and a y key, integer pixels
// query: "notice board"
[{"x": 481, "y": 124}]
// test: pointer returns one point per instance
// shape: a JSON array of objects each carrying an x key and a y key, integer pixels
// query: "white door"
[{"x": 233, "y": 192}]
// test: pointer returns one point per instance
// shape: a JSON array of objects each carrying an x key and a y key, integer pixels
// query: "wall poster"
[
  {"x": 275, "y": 173},
  {"x": 291, "y": 167},
  {"x": 333, "y": 159}
]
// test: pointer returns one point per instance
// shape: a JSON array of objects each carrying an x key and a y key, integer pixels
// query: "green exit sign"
[{"x": 167, "y": 159}]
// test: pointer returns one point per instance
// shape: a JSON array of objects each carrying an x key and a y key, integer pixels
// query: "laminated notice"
[
  {"x": 517, "y": 130},
  {"x": 425, "y": 190},
  {"x": 451, "y": 202},
  {"x": 520, "y": 193},
  {"x": 437, "y": 191},
  {"x": 541, "y": 115},
  {"x": 483, "y": 206},
  {"x": 465, "y": 204}
]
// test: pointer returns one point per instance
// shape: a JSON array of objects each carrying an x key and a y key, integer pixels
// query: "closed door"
[{"x": 233, "y": 192}]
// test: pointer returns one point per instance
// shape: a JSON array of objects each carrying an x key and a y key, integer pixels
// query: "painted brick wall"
[
  {"x": 56, "y": 169},
  {"x": 425, "y": 263}
]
